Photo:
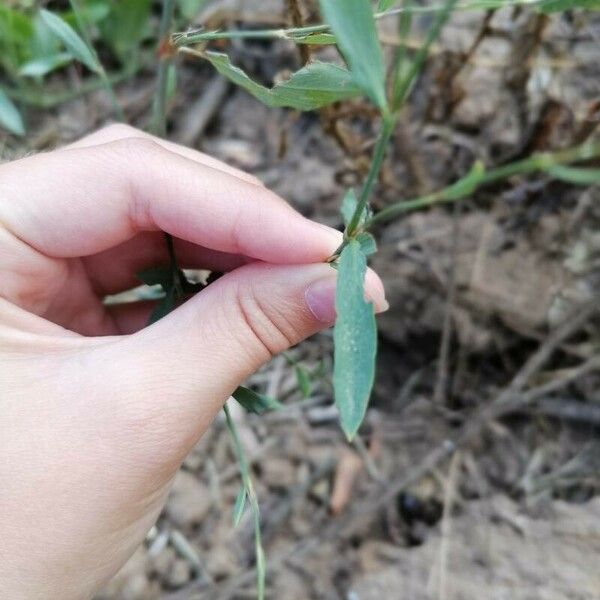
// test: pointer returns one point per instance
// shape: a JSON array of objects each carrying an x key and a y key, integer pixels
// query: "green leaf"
[
  {"x": 303, "y": 379},
  {"x": 367, "y": 242},
  {"x": 317, "y": 39},
  {"x": 576, "y": 175},
  {"x": 253, "y": 402},
  {"x": 403, "y": 85},
  {"x": 316, "y": 85},
  {"x": 10, "y": 117},
  {"x": 38, "y": 67},
  {"x": 239, "y": 506},
  {"x": 385, "y": 5},
  {"x": 562, "y": 5},
  {"x": 348, "y": 207},
  {"x": 353, "y": 24},
  {"x": 73, "y": 43},
  {"x": 355, "y": 340},
  {"x": 466, "y": 185}
]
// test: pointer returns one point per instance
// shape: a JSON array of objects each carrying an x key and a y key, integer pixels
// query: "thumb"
[{"x": 203, "y": 350}]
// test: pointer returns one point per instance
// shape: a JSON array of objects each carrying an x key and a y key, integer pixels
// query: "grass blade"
[
  {"x": 405, "y": 85},
  {"x": 71, "y": 40}
]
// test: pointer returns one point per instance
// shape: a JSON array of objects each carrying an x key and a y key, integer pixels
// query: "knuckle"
[
  {"x": 270, "y": 331},
  {"x": 120, "y": 130},
  {"x": 137, "y": 147}
]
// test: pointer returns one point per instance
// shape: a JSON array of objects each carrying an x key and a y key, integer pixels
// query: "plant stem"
[
  {"x": 87, "y": 38},
  {"x": 194, "y": 37},
  {"x": 49, "y": 99},
  {"x": 249, "y": 487},
  {"x": 404, "y": 85},
  {"x": 385, "y": 134},
  {"x": 159, "y": 120},
  {"x": 537, "y": 162}
]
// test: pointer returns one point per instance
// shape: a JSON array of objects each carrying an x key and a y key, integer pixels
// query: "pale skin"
[{"x": 97, "y": 412}]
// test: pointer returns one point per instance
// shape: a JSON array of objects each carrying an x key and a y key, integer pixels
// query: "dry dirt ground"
[{"x": 477, "y": 472}]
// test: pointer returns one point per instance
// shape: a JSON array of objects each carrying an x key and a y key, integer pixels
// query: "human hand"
[{"x": 97, "y": 412}]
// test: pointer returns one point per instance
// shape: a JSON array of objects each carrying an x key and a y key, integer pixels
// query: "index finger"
[{"x": 79, "y": 202}]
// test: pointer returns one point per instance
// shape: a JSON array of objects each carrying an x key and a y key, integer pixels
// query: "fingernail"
[{"x": 320, "y": 299}]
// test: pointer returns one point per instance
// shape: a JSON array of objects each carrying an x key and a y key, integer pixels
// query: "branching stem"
[
  {"x": 299, "y": 33},
  {"x": 537, "y": 162}
]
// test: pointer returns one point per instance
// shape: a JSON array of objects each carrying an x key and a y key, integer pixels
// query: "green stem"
[
  {"x": 159, "y": 119},
  {"x": 249, "y": 487},
  {"x": 537, "y": 162},
  {"x": 404, "y": 85},
  {"x": 87, "y": 38},
  {"x": 385, "y": 134},
  {"x": 50, "y": 100},
  {"x": 175, "y": 272},
  {"x": 353, "y": 227},
  {"x": 195, "y": 37}
]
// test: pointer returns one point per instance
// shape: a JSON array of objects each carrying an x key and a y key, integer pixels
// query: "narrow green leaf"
[
  {"x": 73, "y": 43},
  {"x": 385, "y": 5},
  {"x": 303, "y": 379},
  {"x": 576, "y": 175},
  {"x": 316, "y": 85},
  {"x": 38, "y": 67},
  {"x": 10, "y": 117},
  {"x": 355, "y": 340},
  {"x": 353, "y": 24},
  {"x": 253, "y": 402},
  {"x": 239, "y": 506},
  {"x": 466, "y": 185},
  {"x": 401, "y": 64},
  {"x": 403, "y": 86},
  {"x": 349, "y": 206},
  {"x": 367, "y": 242},
  {"x": 316, "y": 39}
]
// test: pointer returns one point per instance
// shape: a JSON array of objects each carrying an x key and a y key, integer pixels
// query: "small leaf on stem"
[
  {"x": 254, "y": 402},
  {"x": 367, "y": 242},
  {"x": 239, "y": 506}
]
